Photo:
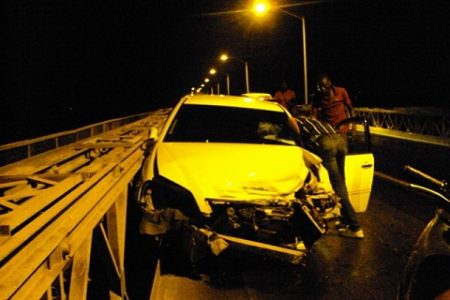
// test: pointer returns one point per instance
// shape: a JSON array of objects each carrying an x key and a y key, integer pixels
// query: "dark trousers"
[{"x": 332, "y": 149}]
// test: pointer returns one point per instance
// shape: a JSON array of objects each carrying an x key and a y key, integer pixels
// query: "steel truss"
[
  {"x": 56, "y": 208},
  {"x": 411, "y": 120}
]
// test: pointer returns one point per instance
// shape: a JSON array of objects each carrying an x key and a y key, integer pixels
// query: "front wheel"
[{"x": 155, "y": 222}]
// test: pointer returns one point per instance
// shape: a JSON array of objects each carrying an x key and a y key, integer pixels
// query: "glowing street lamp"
[
  {"x": 260, "y": 8},
  {"x": 224, "y": 57},
  {"x": 213, "y": 71}
]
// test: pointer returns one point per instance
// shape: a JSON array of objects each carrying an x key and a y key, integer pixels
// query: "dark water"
[{"x": 20, "y": 121}]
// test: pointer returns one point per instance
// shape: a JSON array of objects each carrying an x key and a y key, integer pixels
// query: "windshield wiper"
[{"x": 271, "y": 139}]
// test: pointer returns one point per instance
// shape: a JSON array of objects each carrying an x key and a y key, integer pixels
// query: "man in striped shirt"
[{"x": 322, "y": 139}]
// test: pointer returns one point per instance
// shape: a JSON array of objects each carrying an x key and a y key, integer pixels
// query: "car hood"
[{"x": 233, "y": 172}]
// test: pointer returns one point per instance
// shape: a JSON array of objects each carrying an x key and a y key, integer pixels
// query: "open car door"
[{"x": 359, "y": 166}]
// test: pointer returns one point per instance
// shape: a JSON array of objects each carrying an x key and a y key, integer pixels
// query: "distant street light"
[
  {"x": 213, "y": 71},
  {"x": 224, "y": 57},
  {"x": 260, "y": 8}
]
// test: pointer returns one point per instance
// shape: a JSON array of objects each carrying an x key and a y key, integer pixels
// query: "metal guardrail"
[
  {"x": 57, "y": 207},
  {"x": 16, "y": 151},
  {"x": 416, "y": 124}
]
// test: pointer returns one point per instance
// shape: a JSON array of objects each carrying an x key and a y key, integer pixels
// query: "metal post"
[
  {"x": 247, "y": 82},
  {"x": 218, "y": 88},
  {"x": 228, "y": 84},
  {"x": 305, "y": 61},
  {"x": 305, "y": 67}
]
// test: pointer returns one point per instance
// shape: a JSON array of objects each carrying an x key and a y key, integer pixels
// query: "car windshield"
[{"x": 220, "y": 124}]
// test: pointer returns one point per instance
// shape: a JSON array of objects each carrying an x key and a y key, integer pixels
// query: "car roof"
[
  {"x": 259, "y": 96},
  {"x": 232, "y": 101}
]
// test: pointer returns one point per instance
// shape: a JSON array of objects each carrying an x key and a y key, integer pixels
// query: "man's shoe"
[{"x": 347, "y": 232}]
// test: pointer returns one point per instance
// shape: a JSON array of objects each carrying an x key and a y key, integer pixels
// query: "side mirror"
[{"x": 148, "y": 145}]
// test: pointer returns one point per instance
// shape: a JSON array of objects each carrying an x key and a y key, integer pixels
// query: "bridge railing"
[
  {"x": 423, "y": 121},
  {"x": 63, "y": 213},
  {"x": 16, "y": 151}
]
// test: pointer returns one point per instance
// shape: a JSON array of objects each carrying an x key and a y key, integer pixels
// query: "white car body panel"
[
  {"x": 234, "y": 171},
  {"x": 234, "y": 101}
]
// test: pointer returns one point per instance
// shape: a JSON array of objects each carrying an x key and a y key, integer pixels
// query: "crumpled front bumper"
[{"x": 218, "y": 243}]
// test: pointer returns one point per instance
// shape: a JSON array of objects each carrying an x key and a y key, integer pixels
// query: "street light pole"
[
  {"x": 260, "y": 9},
  {"x": 213, "y": 72},
  {"x": 247, "y": 81},
  {"x": 224, "y": 58},
  {"x": 305, "y": 67},
  {"x": 228, "y": 84},
  {"x": 305, "y": 61}
]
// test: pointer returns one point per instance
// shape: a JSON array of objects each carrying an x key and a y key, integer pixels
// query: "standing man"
[
  {"x": 333, "y": 105},
  {"x": 285, "y": 96}
]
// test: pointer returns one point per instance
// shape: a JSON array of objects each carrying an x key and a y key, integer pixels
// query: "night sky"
[{"x": 71, "y": 63}]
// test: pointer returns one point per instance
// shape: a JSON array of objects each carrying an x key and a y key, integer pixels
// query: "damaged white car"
[{"x": 230, "y": 170}]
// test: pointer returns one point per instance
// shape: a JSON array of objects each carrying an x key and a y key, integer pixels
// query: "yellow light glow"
[
  {"x": 206, "y": 80},
  {"x": 224, "y": 57},
  {"x": 260, "y": 8},
  {"x": 212, "y": 71}
]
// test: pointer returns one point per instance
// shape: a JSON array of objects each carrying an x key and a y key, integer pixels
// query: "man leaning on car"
[{"x": 322, "y": 139}]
